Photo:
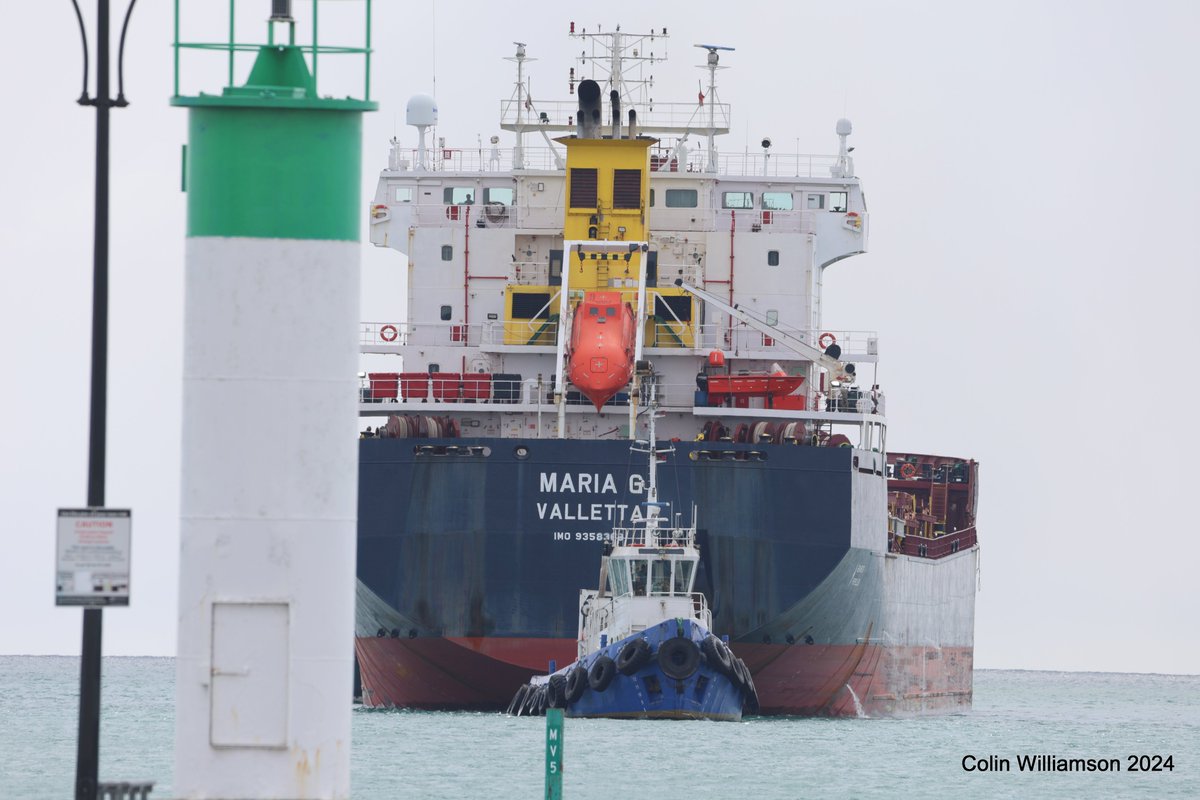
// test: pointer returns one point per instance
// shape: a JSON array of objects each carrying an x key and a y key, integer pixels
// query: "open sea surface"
[{"x": 402, "y": 754}]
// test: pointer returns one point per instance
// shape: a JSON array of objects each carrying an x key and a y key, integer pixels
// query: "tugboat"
[{"x": 646, "y": 648}]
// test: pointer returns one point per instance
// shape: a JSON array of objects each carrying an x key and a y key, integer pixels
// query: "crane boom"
[{"x": 793, "y": 343}]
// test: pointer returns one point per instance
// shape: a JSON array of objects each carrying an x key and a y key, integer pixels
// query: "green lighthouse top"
[{"x": 281, "y": 76}]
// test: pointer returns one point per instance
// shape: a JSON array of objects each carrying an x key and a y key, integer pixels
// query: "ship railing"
[
  {"x": 488, "y": 159},
  {"x": 560, "y": 116},
  {"x": 537, "y": 215},
  {"x": 660, "y": 537},
  {"x": 416, "y": 388},
  {"x": 742, "y": 338},
  {"x": 939, "y": 545},
  {"x": 475, "y": 215},
  {"x": 403, "y": 334}
]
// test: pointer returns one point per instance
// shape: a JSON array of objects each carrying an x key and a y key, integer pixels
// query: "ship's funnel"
[
  {"x": 589, "y": 109},
  {"x": 614, "y": 99},
  {"x": 632, "y": 124}
]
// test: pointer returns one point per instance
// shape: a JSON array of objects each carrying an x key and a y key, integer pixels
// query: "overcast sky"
[{"x": 1029, "y": 170}]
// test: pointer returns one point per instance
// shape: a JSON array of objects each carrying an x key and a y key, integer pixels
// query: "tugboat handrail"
[{"x": 674, "y": 537}]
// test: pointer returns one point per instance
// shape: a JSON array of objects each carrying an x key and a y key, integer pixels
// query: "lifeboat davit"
[{"x": 600, "y": 362}]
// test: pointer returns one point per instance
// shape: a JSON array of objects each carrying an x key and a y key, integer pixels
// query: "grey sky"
[{"x": 1028, "y": 167}]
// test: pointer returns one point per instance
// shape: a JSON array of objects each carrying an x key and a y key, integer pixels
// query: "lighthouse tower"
[{"x": 266, "y": 600}]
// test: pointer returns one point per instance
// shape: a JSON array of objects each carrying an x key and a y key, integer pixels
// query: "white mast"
[{"x": 712, "y": 67}]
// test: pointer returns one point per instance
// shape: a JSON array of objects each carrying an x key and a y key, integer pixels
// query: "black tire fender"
[
  {"x": 556, "y": 691},
  {"x": 601, "y": 673},
  {"x": 577, "y": 684},
  {"x": 678, "y": 658},
  {"x": 718, "y": 656},
  {"x": 633, "y": 656}
]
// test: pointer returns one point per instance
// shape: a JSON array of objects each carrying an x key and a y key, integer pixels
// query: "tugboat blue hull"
[{"x": 661, "y": 688}]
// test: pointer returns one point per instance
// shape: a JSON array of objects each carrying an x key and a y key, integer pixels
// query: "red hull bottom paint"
[{"x": 805, "y": 680}]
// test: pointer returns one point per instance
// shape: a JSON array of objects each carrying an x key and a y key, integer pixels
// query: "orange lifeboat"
[{"x": 600, "y": 361}]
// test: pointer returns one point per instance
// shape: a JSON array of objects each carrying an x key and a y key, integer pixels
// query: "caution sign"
[{"x": 93, "y": 557}]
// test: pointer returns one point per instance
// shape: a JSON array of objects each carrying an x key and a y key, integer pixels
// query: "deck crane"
[{"x": 828, "y": 359}]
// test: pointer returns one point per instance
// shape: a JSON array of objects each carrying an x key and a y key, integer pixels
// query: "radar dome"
[
  {"x": 843, "y": 127},
  {"x": 421, "y": 111}
]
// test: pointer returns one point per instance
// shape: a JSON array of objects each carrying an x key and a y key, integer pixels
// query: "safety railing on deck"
[
  {"x": 669, "y": 117},
  {"x": 937, "y": 546},
  {"x": 543, "y": 159},
  {"x": 659, "y": 537},
  {"x": 740, "y": 339}
]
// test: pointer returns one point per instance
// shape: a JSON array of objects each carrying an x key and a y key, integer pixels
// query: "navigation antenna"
[
  {"x": 712, "y": 68},
  {"x": 625, "y": 57},
  {"x": 521, "y": 96}
]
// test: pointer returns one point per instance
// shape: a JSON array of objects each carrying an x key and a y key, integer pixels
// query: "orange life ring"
[
  {"x": 388, "y": 333},
  {"x": 825, "y": 344},
  {"x": 908, "y": 470}
]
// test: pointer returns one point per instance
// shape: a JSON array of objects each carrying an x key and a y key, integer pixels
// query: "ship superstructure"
[{"x": 538, "y": 279}]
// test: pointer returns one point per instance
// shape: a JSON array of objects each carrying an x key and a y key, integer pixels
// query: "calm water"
[{"x": 424, "y": 755}]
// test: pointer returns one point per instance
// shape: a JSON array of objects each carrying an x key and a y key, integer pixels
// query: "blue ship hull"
[{"x": 649, "y": 693}]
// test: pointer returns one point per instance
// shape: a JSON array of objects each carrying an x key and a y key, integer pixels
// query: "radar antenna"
[{"x": 712, "y": 67}]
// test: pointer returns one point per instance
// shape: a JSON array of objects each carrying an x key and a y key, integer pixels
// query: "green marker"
[{"x": 554, "y": 753}]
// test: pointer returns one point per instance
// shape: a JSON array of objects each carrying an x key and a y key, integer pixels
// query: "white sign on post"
[{"x": 93, "y": 557}]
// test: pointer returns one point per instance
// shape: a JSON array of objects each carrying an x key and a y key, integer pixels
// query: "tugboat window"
[
  {"x": 837, "y": 201},
  {"x": 637, "y": 571},
  {"x": 816, "y": 201},
  {"x": 403, "y": 194},
  {"x": 447, "y": 252},
  {"x": 618, "y": 571},
  {"x": 660, "y": 577},
  {"x": 683, "y": 576},
  {"x": 772, "y": 258},
  {"x": 445, "y": 312}
]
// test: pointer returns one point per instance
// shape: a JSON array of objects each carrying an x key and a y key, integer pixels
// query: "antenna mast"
[
  {"x": 520, "y": 94},
  {"x": 712, "y": 67}
]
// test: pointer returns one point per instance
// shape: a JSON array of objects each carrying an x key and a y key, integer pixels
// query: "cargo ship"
[{"x": 614, "y": 239}]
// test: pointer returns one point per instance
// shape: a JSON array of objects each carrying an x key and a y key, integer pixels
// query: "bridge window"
[
  {"x": 682, "y": 198},
  {"x": 772, "y": 258},
  {"x": 737, "y": 200},
  {"x": 618, "y": 574},
  {"x": 610, "y": 312},
  {"x": 660, "y": 577},
  {"x": 402, "y": 194},
  {"x": 837, "y": 201},
  {"x": 683, "y": 576},
  {"x": 637, "y": 571},
  {"x": 494, "y": 194},
  {"x": 583, "y": 187},
  {"x": 816, "y": 201},
  {"x": 627, "y": 188},
  {"x": 447, "y": 252},
  {"x": 458, "y": 195},
  {"x": 777, "y": 201}
]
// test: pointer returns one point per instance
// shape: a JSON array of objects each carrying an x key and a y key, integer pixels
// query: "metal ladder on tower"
[{"x": 939, "y": 494}]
